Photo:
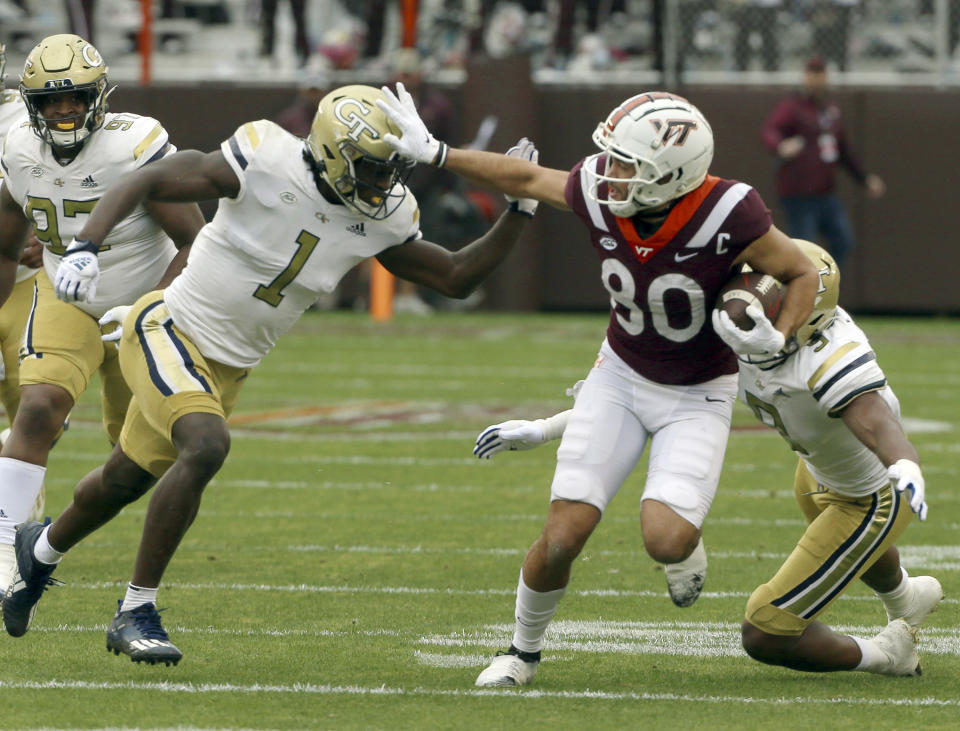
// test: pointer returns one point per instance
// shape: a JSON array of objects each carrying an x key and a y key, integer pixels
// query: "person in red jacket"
[{"x": 805, "y": 132}]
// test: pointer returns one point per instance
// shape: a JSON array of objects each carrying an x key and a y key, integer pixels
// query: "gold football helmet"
[
  {"x": 828, "y": 293},
  {"x": 346, "y": 144},
  {"x": 65, "y": 64}
]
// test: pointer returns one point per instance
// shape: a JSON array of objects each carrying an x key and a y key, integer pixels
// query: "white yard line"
[{"x": 382, "y": 690}]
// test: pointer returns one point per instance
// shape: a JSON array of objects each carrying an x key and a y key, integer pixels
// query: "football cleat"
[
  {"x": 29, "y": 581},
  {"x": 898, "y": 641},
  {"x": 139, "y": 634},
  {"x": 926, "y": 595},
  {"x": 685, "y": 580},
  {"x": 509, "y": 669}
]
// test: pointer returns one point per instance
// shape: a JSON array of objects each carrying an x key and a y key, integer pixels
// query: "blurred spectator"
[
  {"x": 80, "y": 15},
  {"x": 755, "y": 16},
  {"x": 688, "y": 15},
  {"x": 268, "y": 22},
  {"x": 805, "y": 132},
  {"x": 566, "y": 22},
  {"x": 830, "y": 21},
  {"x": 298, "y": 117}
]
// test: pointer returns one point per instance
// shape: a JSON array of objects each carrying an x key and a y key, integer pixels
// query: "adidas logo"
[
  {"x": 357, "y": 229},
  {"x": 88, "y": 182},
  {"x": 2, "y": 514}
]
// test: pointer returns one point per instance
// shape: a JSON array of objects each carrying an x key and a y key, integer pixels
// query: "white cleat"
[
  {"x": 927, "y": 594},
  {"x": 899, "y": 643},
  {"x": 507, "y": 670},
  {"x": 685, "y": 579}
]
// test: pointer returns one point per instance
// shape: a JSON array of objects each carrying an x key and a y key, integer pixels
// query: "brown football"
[{"x": 746, "y": 287}]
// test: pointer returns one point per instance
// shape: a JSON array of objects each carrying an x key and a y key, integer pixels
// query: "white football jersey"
[
  {"x": 58, "y": 198},
  {"x": 269, "y": 253},
  {"x": 11, "y": 110},
  {"x": 803, "y": 399}
]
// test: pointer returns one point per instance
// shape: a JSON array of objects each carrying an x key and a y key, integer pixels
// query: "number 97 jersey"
[
  {"x": 59, "y": 198},
  {"x": 663, "y": 288}
]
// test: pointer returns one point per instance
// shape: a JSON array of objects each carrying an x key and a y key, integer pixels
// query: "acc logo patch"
[
  {"x": 609, "y": 243},
  {"x": 288, "y": 197}
]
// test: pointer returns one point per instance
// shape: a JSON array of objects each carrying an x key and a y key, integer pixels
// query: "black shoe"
[
  {"x": 30, "y": 580},
  {"x": 139, "y": 634}
]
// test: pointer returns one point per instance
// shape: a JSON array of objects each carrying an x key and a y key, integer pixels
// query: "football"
[{"x": 747, "y": 287}]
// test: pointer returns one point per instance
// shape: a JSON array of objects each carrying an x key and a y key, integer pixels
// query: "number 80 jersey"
[{"x": 663, "y": 288}]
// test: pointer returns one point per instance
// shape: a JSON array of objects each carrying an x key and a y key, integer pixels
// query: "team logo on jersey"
[
  {"x": 88, "y": 182},
  {"x": 288, "y": 197},
  {"x": 59, "y": 182},
  {"x": 357, "y": 229},
  {"x": 608, "y": 242},
  {"x": 321, "y": 217},
  {"x": 37, "y": 171}
]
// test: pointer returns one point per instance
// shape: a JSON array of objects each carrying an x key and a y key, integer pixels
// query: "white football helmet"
[
  {"x": 665, "y": 140},
  {"x": 346, "y": 144},
  {"x": 65, "y": 64}
]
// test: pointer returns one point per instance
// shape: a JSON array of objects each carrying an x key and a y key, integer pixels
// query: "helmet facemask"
[
  {"x": 370, "y": 185},
  {"x": 70, "y": 131}
]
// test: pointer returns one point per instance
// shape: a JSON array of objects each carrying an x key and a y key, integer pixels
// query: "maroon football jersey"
[{"x": 663, "y": 288}]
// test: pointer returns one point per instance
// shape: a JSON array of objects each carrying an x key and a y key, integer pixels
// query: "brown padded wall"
[{"x": 907, "y": 254}]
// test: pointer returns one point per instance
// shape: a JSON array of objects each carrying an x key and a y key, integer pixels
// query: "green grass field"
[{"x": 354, "y": 566}]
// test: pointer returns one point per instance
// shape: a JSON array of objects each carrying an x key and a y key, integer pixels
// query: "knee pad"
[{"x": 774, "y": 621}]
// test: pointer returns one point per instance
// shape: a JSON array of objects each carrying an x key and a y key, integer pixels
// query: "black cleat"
[
  {"x": 29, "y": 582},
  {"x": 139, "y": 634}
]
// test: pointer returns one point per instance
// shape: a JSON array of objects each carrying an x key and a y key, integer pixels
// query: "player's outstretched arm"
[
  {"x": 459, "y": 273},
  {"x": 186, "y": 177},
  {"x": 871, "y": 420},
  {"x": 511, "y": 176},
  {"x": 455, "y": 274},
  {"x": 519, "y": 434}
]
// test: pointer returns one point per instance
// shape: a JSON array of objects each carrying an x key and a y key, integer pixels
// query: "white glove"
[
  {"x": 79, "y": 271},
  {"x": 115, "y": 314},
  {"x": 415, "y": 142},
  {"x": 905, "y": 476},
  {"x": 511, "y": 435},
  {"x": 525, "y": 150},
  {"x": 763, "y": 339}
]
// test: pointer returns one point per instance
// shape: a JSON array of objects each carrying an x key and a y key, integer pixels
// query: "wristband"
[
  {"x": 441, "y": 159},
  {"x": 83, "y": 245}
]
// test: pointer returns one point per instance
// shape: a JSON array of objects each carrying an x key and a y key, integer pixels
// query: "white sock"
[
  {"x": 898, "y": 601},
  {"x": 872, "y": 658},
  {"x": 534, "y": 611},
  {"x": 137, "y": 595},
  {"x": 43, "y": 551},
  {"x": 20, "y": 483}
]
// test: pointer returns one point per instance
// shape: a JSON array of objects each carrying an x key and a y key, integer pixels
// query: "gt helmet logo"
[
  {"x": 92, "y": 56},
  {"x": 356, "y": 124}
]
